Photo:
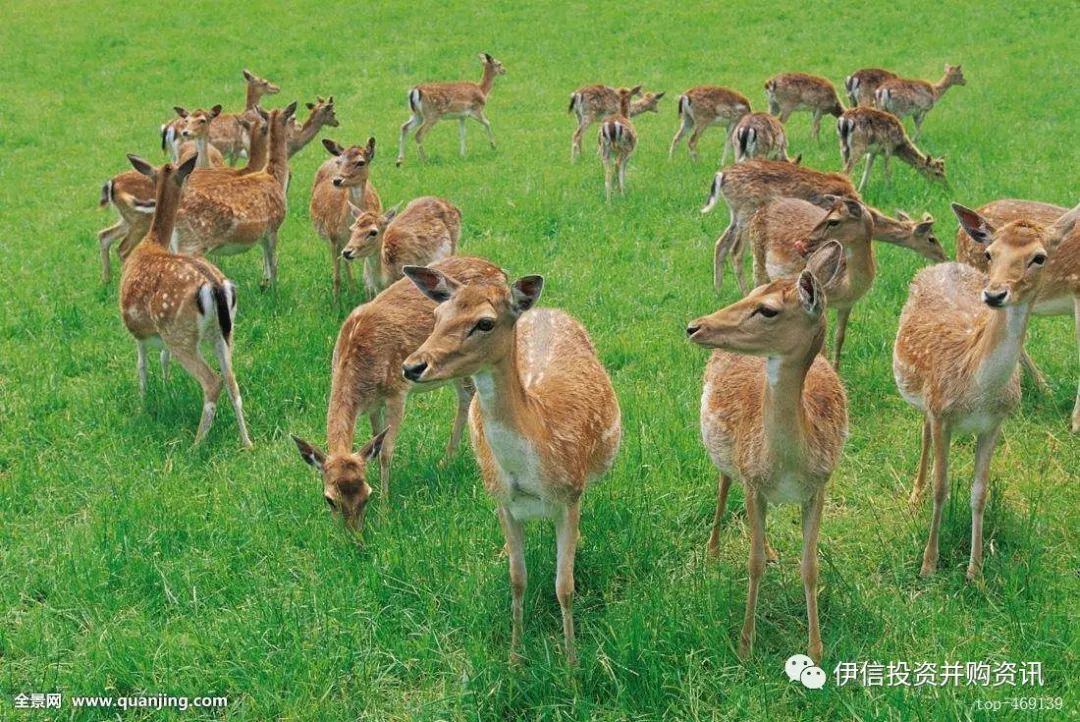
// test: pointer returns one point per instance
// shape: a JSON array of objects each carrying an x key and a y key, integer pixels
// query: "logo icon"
[{"x": 800, "y": 668}]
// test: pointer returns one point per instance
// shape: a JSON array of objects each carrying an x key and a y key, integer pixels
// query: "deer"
[
  {"x": 545, "y": 421},
  {"x": 789, "y": 92},
  {"x": 774, "y": 416},
  {"x": 193, "y": 131},
  {"x": 746, "y": 187},
  {"x": 425, "y": 232},
  {"x": 904, "y": 96},
  {"x": 595, "y": 102},
  {"x": 956, "y": 354},
  {"x": 617, "y": 140},
  {"x": 178, "y": 302},
  {"x": 704, "y": 106},
  {"x": 863, "y": 84},
  {"x": 760, "y": 135},
  {"x": 230, "y": 214},
  {"x": 341, "y": 185},
  {"x": 366, "y": 379},
  {"x": 321, "y": 116},
  {"x": 431, "y": 102},
  {"x": 871, "y": 132},
  {"x": 132, "y": 195}
]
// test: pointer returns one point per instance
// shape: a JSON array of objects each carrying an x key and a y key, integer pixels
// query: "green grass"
[{"x": 131, "y": 563}]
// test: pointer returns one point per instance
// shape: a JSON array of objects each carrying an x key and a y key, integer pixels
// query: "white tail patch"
[{"x": 714, "y": 194}]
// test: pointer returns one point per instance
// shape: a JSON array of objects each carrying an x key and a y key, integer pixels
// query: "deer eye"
[
  {"x": 372, "y": 234},
  {"x": 987, "y": 254},
  {"x": 330, "y": 503},
  {"x": 768, "y": 312},
  {"x": 1038, "y": 259},
  {"x": 833, "y": 222},
  {"x": 484, "y": 324}
]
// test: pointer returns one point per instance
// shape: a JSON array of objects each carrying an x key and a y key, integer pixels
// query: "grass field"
[{"x": 131, "y": 563}]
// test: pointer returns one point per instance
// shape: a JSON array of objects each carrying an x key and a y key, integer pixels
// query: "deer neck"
[
  {"x": 357, "y": 194},
  {"x": 308, "y": 131},
  {"x": 278, "y": 163},
  {"x": 343, "y": 410},
  {"x": 374, "y": 268},
  {"x": 203, "y": 158},
  {"x": 167, "y": 199},
  {"x": 942, "y": 85},
  {"x": 999, "y": 345},
  {"x": 911, "y": 155},
  {"x": 252, "y": 96},
  {"x": 889, "y": 230},
  {"x": 504, "y": 402},
  {"x": 782, "y": 413},
  {"x": 487, "y": 80},
  {"x": 861, "y": 265},
  {"x": 257, "y": 152}
]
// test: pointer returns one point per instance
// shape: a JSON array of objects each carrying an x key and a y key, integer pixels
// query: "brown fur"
[
  {"x": 870, "y": 132},
  {"x": 789, "y": 92},
  {"x": 617, "y": 141},
  {"x": 862, "y": 84},
  {"x": 321, "y": 115},
  {"x": 194, "y": 130},
  {"x": 759, "y": 135},
  {"x": 906, "y": 96},
  {"x": 132, "y": 195},
  {"x": 227, "y": 134},
  {"x": 595, "y": 102},
  {"x": 704, "y": 106}
]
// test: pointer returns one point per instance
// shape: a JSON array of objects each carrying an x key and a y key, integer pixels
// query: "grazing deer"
[
  {"x": 194, "y": 133},
  {"x": 230, "y": 214},
  {"x": 774, "y": 416},
  {"x": 617, "y": 141},
  {"x": 704, "y": 106},
  {"x": 595, "y": 102},
  {"x": 956, "y": 353},
  {"x": 371, "y": 346},
  {"x": 425, "y": 232},
  {"x": 322, "y": 115},
  {"x": 905, "y": 96},
  {"x": 760, "y": 135},
  {"x": 862, "y": 84},
  {"x": 789, "y": 92},
  {"x": 179, "y": 302},
  {"x": 870, "y": 132},
  {"x": 545, "y": 421},
  {"x": 746, "y": 187},
  {"x": 342, "y": 183},
  {"x": 431, "y": 102}
]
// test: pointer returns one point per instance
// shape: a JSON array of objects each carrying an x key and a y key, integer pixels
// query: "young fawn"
[
  {"x": 760, "y": 135},
  {"x": 704, "y": 106},
  {"x": 774, "y": 415},
  {"x": 431, "y": 102},
  {"x": 789, "y": 92},
  {"x": 341, "y": 185},
  {"x": 425, "y": 232},
  {"x": 371, "y": 346},
  {"x": 545, "y": 421},
  {"x": 956, "y": 352},
  {"x": 193, "y": 130},
  {"x": 870, "y": 132},
  {"x": 863, "y": 84},
  {"x": 321, "y": 116},
  {"x": 617, "y": 142},
  {"x": 595, "y": 102},
  {"x": 179, "y": 301},
  {"x": 904, "y": 96}
]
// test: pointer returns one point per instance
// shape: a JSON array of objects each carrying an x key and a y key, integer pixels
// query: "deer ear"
[
  {"x": 636, "y": 90},
  {"x": 185, "y": 168},
  {"x": 977, "y": 227},
  {"x": 248, "y": 75},
  {"x": 661, "y": 94},
  {"x": 390, "y": 215},
  {"x": 310, "y": 106},
  {"x": 290, "y": 110},
  {"x": 924, "y": 227},
  {"x": 1062, "y": 227},
  {"x": 372, "y": 448},
  {"x": 332, "y": 146},
  {"x": 181, "y": 111},
  {"x": 525, "y": 292},
  {"x": 826, "y": 263},
  {"x": 311, "y": 454},
  {"x": 811, "y": 294},
  {"x": 854, "y": 207},
  {"x": 371, "y": 148},
  {"x": 215, "y": 111},
  {"x": 434, "y": 284},
  {"x": 354, "y": 210},
  {"x": 142, "y": 166},
  {"x": 902, "y": 216}
]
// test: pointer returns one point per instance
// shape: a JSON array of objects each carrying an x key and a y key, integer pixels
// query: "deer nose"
[
  {"x": 347, "y": 254},
  {"x": 692, "y": 329},
  {"x": 413, "y": 372},
  {"x": 337, "y": 182},
  {"x": 995, "y": 298}
]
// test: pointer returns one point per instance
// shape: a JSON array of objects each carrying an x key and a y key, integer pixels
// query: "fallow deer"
[
  {"x": 956, "y": 353},
  {"x": 760, "y": 135},
  {"x": 132, "y": 195},
  {"x": 789, "y": 92},
  {"x": 425, "y": 232},
  {"x": 431, "y": 102},
  {"x": 595, "y": 102},
  {"x": 179, "y": 302},
  {"x": 194, "y": 134},
  {"x": 905, "y": 96},
  {"x": 704, "y": 106},
  {"x": 774, "y": 416},
  {"x": 544, "y": 423},
  {"x": 341, "y": 183},
  {"x": 231, "y": 214},
  {"x": 863, "y": 84},
  {"x": 321, "y": 115},
  {"x": 371, "y": 346},
  {"x": 617, "y": 140},
  {"x": 871, "y": 132}
]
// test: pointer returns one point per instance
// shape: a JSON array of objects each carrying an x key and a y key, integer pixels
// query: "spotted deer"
[
  {"x": 904, "y": 96},
  {"x": 132, "y": 195},
  {"x": 341, "y": 184},
  {"x": 545, "y": 421},
  {"x": 231, "y": 214},
  {"x": 863, "y": 84},
  {"x": 617, "y": 141},
  {"x": 595, "y": 102},
  {"x": 705, "y": 106},
  {"x": 431, "y": 102},
  {"x": 194, "y": 134},
  {"x": 956, "y": 353},
  {"x": 774, "y": 416},
  {"x": 760, "y": 135},
  {"x": 371, "y": 346},
  {"x": 179, "y": 302},
  {"x": 789, "y": 92},
  {"x": 870, "y": 132},
  {"x": 322, "y": 115},
  {"x": 425, "y": 232}
]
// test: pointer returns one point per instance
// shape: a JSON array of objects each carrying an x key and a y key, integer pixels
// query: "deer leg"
[
  {"x": 887, "y": 168},
  {"x": 106, "y": 237},
  {"x": 420, "y": 135},
  {"x": 461, "y": 136},
  {"x": 269, "y": 248},
  {"x": 395, "y": 410},
  {"x": 407, "y": 127},
  {"x": 164, "y": 358},
  {"x": 842, "y": 315},
  {"x": 940, "y": 434},
  {"x": 515, "y": 546},
  {"x": 623, "y": 158},
  {"x": 723, "y": 247},
  {"x": 195, "y": 365},
  {"x": 482, "y": 119},
  {"x": 919, "y": 487},
  {"x": 782, "y": 115},
  {"x": 737, "y": 253},
  {"x": 465, "y": 389},
  {"x": 811, "y": 524},
  {"x": 575, "y": 143},
  {"x": 224, "y": 357},
  {"x": 608, "y": 170},
  {"x": 866, "y": 170},
  {"x": 1076, "y": 406},
  {"x": 721, "y": 505},
  {"x": 918, "y": 119},
  {"x": 728, "y": 143},
  {"x": 693, "y": 142},
  {"x": 140, "y": 349},
  {"x": 335, "y": 260},
  {"x": 566, "y": 531},
  {"x": 984, "y": 452},
  {"x": 815, "y": 125},
  {"x": 684, "y": 127},
  {"x": 755, "y": 512}
]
